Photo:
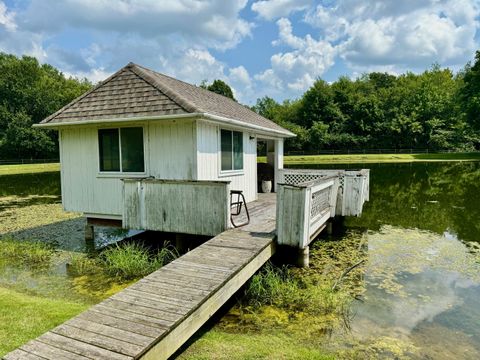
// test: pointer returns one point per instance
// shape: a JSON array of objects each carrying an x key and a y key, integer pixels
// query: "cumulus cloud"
[
  {"x": 273, "y": 9},
  {"x": 400, "y": 34},
  {"x": 296, "y": 70},
  {"x": 7, "y": 18},
  {"x": 214, "y": 23}
]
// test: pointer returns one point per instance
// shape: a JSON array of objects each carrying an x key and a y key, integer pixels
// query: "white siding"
[
  {"x": 208, "y": 159},
  {"x": 82, "y": 190},
  {"x": 172, "y": 150},
  {"x": 169, "y": 154}
]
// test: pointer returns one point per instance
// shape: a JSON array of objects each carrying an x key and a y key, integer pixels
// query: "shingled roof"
[{"x": 136, "y": 92}]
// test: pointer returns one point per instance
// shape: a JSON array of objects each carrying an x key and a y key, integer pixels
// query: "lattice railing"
[{"x": 320, "y": 202}]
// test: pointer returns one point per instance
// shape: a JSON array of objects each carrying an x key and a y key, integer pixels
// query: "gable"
[{"x": 124, "y": 95}]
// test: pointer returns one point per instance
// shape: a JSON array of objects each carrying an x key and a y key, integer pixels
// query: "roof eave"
[
  {"x": 221, "y": 119},
  {"x": 215, "y": 118}
]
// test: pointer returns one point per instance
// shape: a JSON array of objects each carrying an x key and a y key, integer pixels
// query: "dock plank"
[
  {"x": 81, "y": 348},
  {"x": 47, "y": 351},
  {"x": 98, "y": 340},
  {"x": 152, "y": 318}
]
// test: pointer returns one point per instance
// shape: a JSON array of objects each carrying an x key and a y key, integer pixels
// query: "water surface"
[{"x": 421, "y": 238}]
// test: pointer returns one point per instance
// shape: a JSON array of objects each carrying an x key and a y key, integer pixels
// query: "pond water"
[
  {"x": 421, "y": 279},
  {"x": 419, "y": 235},
  {"x": 31, "y": 210}
]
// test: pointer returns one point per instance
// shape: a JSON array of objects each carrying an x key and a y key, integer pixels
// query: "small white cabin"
[{"x": 141, "y": 124}]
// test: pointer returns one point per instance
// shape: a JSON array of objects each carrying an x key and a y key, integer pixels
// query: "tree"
[
  {"x": 29, "y": 92},
  {"x": 470, "y": 93},
  {"x": 219, "y": 87}
]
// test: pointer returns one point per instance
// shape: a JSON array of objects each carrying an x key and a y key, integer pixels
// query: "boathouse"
[
  {"x": 140, "y": 124},
  {"x": 146, "y": 151}
]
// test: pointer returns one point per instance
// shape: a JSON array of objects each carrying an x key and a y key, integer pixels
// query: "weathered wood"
[
  {"x": 177, "y": 336},
  {"x": 98, "y": 340},
  {"x": 20, "y": 354},
  {"x": 152, "y": 318},
  {"x": 80, "y": 347},
  {"x": 163, "y": 205}
]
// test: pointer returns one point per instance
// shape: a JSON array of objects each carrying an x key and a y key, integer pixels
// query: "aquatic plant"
[
  {"x": 132, "y": 260},
  {"x": 26, "y": 253}
]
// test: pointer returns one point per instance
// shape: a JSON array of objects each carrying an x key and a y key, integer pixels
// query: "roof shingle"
[{"x": 135, "y": 91}]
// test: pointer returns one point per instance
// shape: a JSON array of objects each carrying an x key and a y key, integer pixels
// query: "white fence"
[
  {"x": 303, "y": 210},
  {"x": 189, "y": 207},
  {"x": 354, "y": 186}
]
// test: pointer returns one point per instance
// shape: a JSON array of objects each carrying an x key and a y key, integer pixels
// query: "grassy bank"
[
  {"x": 378, "y": 158},
  {"x": 374, "y": 158},
  {"x": 28, "y": 168},
  {"x": 25, "y": 317}
]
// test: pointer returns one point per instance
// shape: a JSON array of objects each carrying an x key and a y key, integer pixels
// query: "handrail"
[{"x": 303, "y": 209}]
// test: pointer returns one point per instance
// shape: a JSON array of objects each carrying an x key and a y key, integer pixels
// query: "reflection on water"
[
  {"x": 422, "y": 277},
  {"x": 31, "y": 210}
]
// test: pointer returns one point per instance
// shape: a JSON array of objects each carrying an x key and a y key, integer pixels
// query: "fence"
[
  {"x": 369, "y": 151},
  {"x": 27, "y": 161}
]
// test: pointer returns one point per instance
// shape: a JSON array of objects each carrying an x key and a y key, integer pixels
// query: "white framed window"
[
  {"x": 231, "y": 149},
  {"x": 121, "y": 150}
]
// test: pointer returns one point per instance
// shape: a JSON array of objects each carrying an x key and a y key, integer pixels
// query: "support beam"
[{"x": 89, "y": 238}]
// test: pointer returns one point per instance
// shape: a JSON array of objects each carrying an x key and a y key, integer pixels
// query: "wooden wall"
[
  {"x": 169, "y": 154},
  {"x": 208, "y": 159}
]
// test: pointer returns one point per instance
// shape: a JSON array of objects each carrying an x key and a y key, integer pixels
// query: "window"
[
  {"x": 121, "y": 150},
  {"x": 231, "y": 150}
]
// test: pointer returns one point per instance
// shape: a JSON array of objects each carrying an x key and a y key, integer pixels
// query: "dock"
[{"x": 154, "y": 317}]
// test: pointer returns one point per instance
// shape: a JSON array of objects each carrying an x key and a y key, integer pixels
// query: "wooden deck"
[{"x": 152, "y": 318}]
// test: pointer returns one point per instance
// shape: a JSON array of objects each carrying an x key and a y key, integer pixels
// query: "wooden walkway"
[{"x": 154, "y": 317}]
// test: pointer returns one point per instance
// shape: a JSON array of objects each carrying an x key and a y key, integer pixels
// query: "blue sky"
[{"x": 260, "y": 47}]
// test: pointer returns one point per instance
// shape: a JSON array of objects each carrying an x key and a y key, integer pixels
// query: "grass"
[
  {"x": 24, "y": 317},
  {"x": 378, "y": 158},
  {"x": 26, "y": 253},
  {"x": 219, "y": 345},
  {"x": 127, "y": 261},
  {"x": 28, "y": 168}
]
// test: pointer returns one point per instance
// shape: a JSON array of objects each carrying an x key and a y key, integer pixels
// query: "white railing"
[
  {"x": 179, "y": 206},
  {"x": 303, "y": 210},
  {"x": 353, "y": 189}
]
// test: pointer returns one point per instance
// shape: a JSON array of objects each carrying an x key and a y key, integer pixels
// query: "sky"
[{"x": 259, "y": 47}]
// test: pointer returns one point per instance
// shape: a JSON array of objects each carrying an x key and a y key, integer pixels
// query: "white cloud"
[
  {"x": 273, "y": 9},
  {"x": 7, "y": 18},
  {"x": 400, "y": 34},
  {"x": 295, "y": 70},
  {"x": 213, "y": 23}
]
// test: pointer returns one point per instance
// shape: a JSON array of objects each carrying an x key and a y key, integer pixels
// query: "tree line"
[
  {"x": 29, "y": 92},
  {"x": 437, "y": 109}
]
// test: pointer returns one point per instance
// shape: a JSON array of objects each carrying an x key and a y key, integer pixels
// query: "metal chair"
[{"x": 236, "y": 207}]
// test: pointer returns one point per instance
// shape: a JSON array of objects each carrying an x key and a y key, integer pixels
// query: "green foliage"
[
  {"x": 29, "y": 92},
  {"x": 282, "y": 288},
  {"x": 125, "y": 261},
  {"x": 219, "y": 87},
  {"x": 379, "y": 110},
  {"x": 25, "y": 253},
  {"x": 470, "y": 92}
]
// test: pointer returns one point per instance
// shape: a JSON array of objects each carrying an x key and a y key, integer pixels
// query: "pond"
[
  {"x": 418, "y": 288},
  {"x": 421, "y": 279}
]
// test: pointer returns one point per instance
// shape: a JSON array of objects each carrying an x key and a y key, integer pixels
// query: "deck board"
[{"x": 152, "y": 318}]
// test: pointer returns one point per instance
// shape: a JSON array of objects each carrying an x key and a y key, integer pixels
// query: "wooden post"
[
  {"x": 181, "y": 243},
  {"x": 329, "y": 227},
  {"x": 278, "y": 162},
  {"x": 89, "y": 238},
  {"x": 303, "y": 257}
]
